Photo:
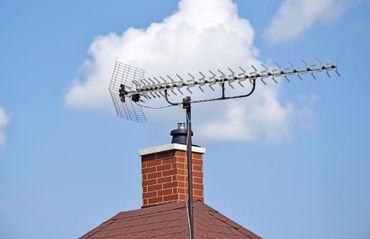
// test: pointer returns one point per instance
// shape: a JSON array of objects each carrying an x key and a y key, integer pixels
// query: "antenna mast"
[{"x": 130, "y": 91}]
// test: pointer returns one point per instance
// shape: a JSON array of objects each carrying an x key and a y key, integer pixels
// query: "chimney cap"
[{"x": 179, "y": 134}]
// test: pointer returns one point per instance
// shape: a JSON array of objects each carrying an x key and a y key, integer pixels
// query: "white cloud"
[
  {"x": 3, "y": 122},
  {"x": 260, "y": 118},
  {"x": 201, "y": 35},
  {"x": 295, "y": 16}
]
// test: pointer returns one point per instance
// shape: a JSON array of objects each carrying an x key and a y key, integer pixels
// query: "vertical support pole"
[
  {"x": 187, "y": 106},
  {"x": 223, "y": 90}
]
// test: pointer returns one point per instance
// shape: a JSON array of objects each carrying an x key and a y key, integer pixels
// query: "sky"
[{"x": 291, "y": 161}]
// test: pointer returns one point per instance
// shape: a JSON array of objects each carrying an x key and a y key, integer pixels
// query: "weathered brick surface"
[{"x": 164, "y": 176}]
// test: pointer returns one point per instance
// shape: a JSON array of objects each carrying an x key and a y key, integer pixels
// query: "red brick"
[
  {"x": 181, "y": 178},
  {"x": 149, "y": 182},
  {"x": 149, "y": 170},
  {"x": 180, "y": 153},
  {"x": 197, "y": 174},
  {"x": 180, "y": 160},
  {"x": 197, "y": 167},
  {"x": 155, "y": 200},
  {"x": 153, "y": 163},
  {"x": 182, "y": 184},
  {"x": 197, "y": 162},
  {"x": 197, "y": 156},
  {"x": 198, "y": 193},
  {"x": 165, "y": 179},
  {"x": 198, "y": 186},
  {"x": 154, "y": 175},
  {"x": 150, "y": 194},
  {"x": 181, "y": 166},
  {"x": 169, "y": 172},
  {"x": 170, "y": 197},
  {"x": 154, "y": 187},
  {"x": 198, "y": 180},
  {"x": 164, "y": 167},
  {"x": 169, "y": 185},
  {"x": 165, "y": 192},
  {"x": 169, "y": 160},
  {"x": 181, "y": 172}
]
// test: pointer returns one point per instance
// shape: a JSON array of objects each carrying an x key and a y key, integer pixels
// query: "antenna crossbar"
[
  {"x": 129, "y": 89},
  {"x": 156, "y": 89}
]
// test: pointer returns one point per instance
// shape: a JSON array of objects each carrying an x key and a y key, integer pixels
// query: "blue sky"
[{"x": 65, "y": 168}]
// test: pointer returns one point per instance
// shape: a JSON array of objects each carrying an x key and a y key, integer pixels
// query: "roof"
[{"x": 170, "y": 221}]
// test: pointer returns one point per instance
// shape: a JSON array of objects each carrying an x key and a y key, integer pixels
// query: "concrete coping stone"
[{"x": 167, "y": 147}]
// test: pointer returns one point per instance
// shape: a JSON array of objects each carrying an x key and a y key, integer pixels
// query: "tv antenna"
[{"x": 130, "y": 92}]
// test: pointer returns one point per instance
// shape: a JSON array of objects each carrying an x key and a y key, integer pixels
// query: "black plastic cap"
[{"x": 179, "y": 134}]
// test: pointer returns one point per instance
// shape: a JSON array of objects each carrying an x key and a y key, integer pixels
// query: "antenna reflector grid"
[{"x": 125, "y": 75}]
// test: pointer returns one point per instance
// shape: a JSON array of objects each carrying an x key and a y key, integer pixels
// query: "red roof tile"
[{"x": 170, "y": 221}]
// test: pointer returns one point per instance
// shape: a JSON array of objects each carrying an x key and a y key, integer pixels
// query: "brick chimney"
[{"x": 164, "y": 173}]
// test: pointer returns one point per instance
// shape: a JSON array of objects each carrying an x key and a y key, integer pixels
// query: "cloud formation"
[
  {"x": 296, "y": 16},
  {"x": 260, "y": 118},
  {"x": 200, "y": 35},
  {"x": 3, "y": 123}
]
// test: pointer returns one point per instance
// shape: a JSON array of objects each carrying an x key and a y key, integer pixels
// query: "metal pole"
[{"x": 187, "y": 107}]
